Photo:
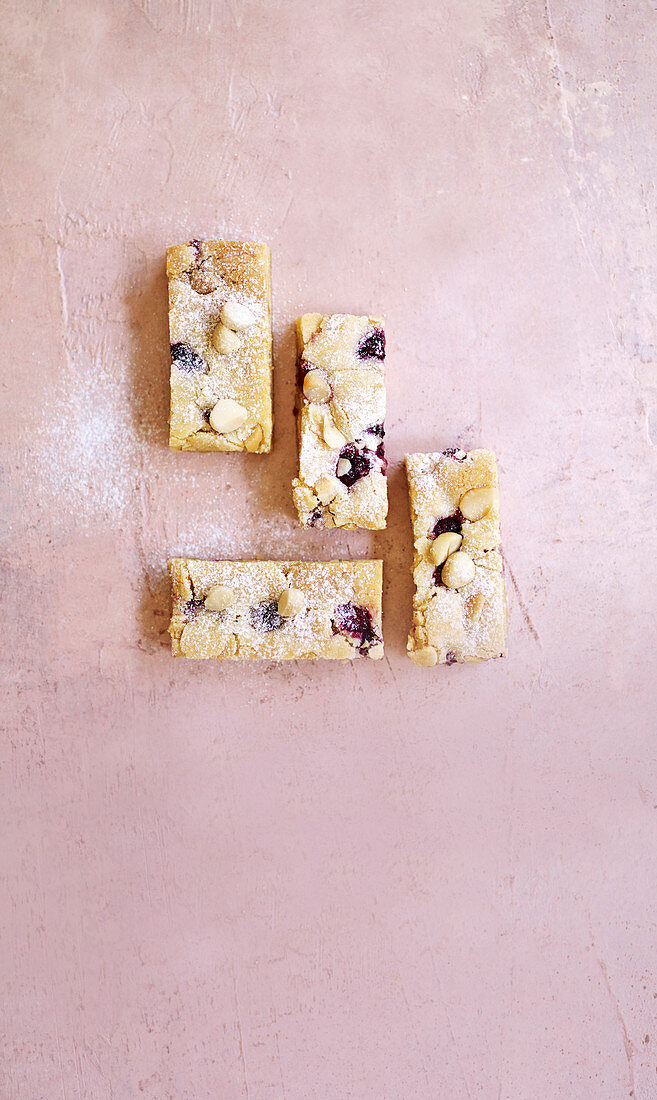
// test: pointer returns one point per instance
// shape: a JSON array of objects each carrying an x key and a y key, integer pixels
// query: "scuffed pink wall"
[{"x": 373, "y": 881}]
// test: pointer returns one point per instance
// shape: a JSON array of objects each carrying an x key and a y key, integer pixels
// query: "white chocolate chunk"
[
  {"x": 444, "y": 545},
  {"x": 332, "y": 436},
  {"x": 315, "y": 387},
  {"x": 477, "y": 503},
  {"x": 237, "y": 316},
  {"x": 219, "y": 598},
  {"x": 227, "y": 416},
  {"x": 291, "y": 602},
  {"x": 458, "y": 570},
  {"x": 425, "y": 657},
  {"x": 328, "y": 488},
  {"x": 225, "y": 340}
]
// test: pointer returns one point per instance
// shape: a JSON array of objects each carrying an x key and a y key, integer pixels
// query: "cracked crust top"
[{"x": 459, "y": 610}]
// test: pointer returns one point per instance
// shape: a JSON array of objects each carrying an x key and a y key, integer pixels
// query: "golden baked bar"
[
  {"x": 459, "y": 607},
  {"x": 221, "y": 346},
  {"x": 341, "y": 409},
  {"x": 283, "y": 610}
]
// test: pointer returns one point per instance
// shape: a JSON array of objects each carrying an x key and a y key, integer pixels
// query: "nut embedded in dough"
[
  {"x": 291, "y": 602},
  {"x": 228, "y": 416},
  {"x": 225, "y": 340},
  {"x": 219, "y": 598},
  {"x": 315, "y": 387},
  {"x": 331, "y": 435},
  {"x": 458, "y": 570},
  {"x": 425, "y": 657},
  {"x": 477, "y": 503},
  {"x": 237, "y": 316},
  {"x": 328, "y": 488},
  {"x": 444, "y": 545}
]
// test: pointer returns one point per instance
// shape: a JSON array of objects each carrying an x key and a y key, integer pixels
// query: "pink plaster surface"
[{"x": 311, "y": 881}]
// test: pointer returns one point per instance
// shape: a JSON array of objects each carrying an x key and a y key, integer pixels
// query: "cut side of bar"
[
  {"x": 221, "y": 346},
  {"x": 281, "y": 610},
  {"x": 459, "y": 607},
  {"x": 341, "y": 407}
]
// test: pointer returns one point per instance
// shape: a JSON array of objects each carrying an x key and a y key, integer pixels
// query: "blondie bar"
[
  {"x": 282, "y": 610},
  {"x": 341, "y": 409},
  {"x": 459, "y": 607},
  {"x": 221, "y": 346}
]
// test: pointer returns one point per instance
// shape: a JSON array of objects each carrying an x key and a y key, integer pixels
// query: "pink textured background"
[{"x": 312, "y": 881}]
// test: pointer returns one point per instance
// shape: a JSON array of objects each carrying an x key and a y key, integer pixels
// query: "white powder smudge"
[{"x": 81, "y": 446}]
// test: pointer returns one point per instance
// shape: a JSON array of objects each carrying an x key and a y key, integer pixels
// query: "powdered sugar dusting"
[{"x": 81, "y": 446}]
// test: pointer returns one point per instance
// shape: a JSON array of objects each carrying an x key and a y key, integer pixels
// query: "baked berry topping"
[
  {"x": 381, "y": 453},
  {"x": 361, "y": 460},
  {"x": 373, "y": 346},
  {"x": 187, "y": 359},
  {"x": 376, "y": 429},
  {"x": 456, "y": 453},
  {"x": 265, "y": 616},
  {"x": 196, "y": 245},
  {"x": 447, "y": 523},
  {"x": 192, "y": 608},
  {"x": 450, "y": 658},
  {"x": 205, "y": 413},
  {"x": 356, "y": 622},
  {"x": 436, "y": 578}
]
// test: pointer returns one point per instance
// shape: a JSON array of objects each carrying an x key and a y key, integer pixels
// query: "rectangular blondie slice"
[
  {"x": 221, "y": 346},
  {"x": 283, "y": 610},
  {"x": 459, "y": 607},
  {"x": 341, "y": 407}
]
